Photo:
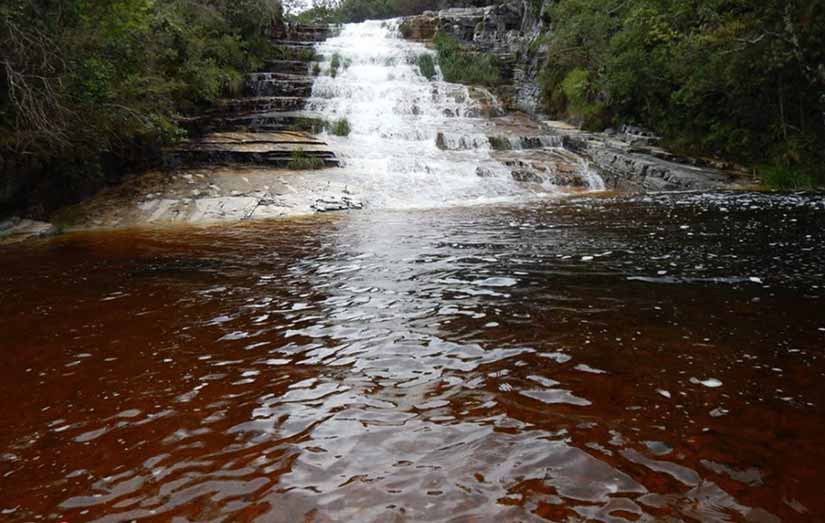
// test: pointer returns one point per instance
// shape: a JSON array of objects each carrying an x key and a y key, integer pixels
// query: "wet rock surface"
[
  {"x": 625, "y": 165},
  {"x": 628, "y": 160},
  {"x": 208, "y": 195}
]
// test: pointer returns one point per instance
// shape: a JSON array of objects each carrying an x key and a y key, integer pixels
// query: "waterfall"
[{"x": 413, "y": 142}]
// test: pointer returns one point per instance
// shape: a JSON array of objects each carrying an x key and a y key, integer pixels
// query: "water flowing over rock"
[
  {"x": 413, "y": 142},
  {"x": 627, "y": 161}
]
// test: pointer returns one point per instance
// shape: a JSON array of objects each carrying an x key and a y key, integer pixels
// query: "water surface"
[{"x": 654, "y": 358}]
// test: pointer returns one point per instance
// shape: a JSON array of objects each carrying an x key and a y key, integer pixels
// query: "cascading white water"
[{"x": 392, "y": 157}]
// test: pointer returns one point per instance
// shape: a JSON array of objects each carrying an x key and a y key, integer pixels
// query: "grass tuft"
[
  {"x": 426, "y": 66},
  {"x": 300, "y": 161},
  {"x": 340, "y": 127},
  {"x": 460, "y": 66}
]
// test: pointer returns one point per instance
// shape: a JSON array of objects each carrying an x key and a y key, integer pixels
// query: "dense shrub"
[
  {"x": 743, "y": 80},
  {"x": 83, "y": 83},
  {"x": 784, "y": 178},
  {"x": 461, "y": 66}
]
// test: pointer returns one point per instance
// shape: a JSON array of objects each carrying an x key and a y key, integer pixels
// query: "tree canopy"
[
  {"x": 78, "y": 77},
  {"x": 743, "y": 79}
]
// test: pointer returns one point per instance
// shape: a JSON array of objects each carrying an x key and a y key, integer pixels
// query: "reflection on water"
[{"x": 648, "y": 359}]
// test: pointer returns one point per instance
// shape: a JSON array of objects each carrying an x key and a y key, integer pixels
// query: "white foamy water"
[{"x": 391, "y": 158}]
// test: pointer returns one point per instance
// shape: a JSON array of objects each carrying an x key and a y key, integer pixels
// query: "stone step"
[
  {"x": 314, "y": 32},
  {"x": 279, "y": 75},
  {"x": 268, "y": 85},
  {"x": 296, "y": 67},
  {"x": 293, "y": 52},
  {"x": 263, "y": 122},
  {"x": 277, "y": 149},
  {"x": 300, "y": 36},
  {"x": 294, "y": 44},
  {"x": 261, "y": 104}
]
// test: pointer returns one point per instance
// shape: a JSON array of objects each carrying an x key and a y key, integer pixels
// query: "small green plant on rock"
[
  {"x": 316, "y": 69},
  {"x": 499, "y": 143},
  {"x": 308, "y": 125},
  {"x": 300, "y": 161},
  {"x": 340, "y": 127},
  {"x": 426, "y": 66},
  {"x": 334, "y": 64}
]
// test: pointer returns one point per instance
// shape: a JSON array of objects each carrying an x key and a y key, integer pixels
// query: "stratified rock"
[
  {"x": 626, "y": 167},
  {"x": 421, "y": 27},
  {"x": 18, "y": 229},
  {"x": 525, "y": 175},
  {"x": 276, "y": 149}
]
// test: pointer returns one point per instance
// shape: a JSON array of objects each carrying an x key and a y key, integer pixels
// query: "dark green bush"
[
  {"x": 334, "y": 64},
  {"x": 461, "y": 66},
  {"x": 109, "y": 80},
  {"x": 730, "y": 79},
  {"x": 426, "y": 66},
  {"x": 309, "y": 125},
  {"x": 299, "y": 161}
]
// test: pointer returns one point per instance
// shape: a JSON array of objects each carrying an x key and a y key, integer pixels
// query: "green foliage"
[
  {"x": 298, "y": 54},
  {"x": 460, "y": 66},
  {"x": 786, "y": 178},
  {"x": 739, "y": 79},
  {"x": 340, "y": 127},
  {"x": 499, "y": 143},
  {"x": 85, "y": 79},
  {"x": 426, "y": 65},
  {"x": 299, "y": 161},
  {"x": 334, "y": 64},
  {"x": 582, "y": 106},
  {"x": 316, "y": 69},
  {"x": 309, "y": 125}
]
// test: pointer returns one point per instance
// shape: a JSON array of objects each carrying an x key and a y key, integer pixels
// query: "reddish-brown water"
[{"x": 649, "y": 359}]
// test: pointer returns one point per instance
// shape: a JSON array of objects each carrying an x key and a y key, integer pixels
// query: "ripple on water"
[{"x": 385, "y": 389}]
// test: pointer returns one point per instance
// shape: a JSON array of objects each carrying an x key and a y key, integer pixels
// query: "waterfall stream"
[{"x": 414, "y": 143}]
